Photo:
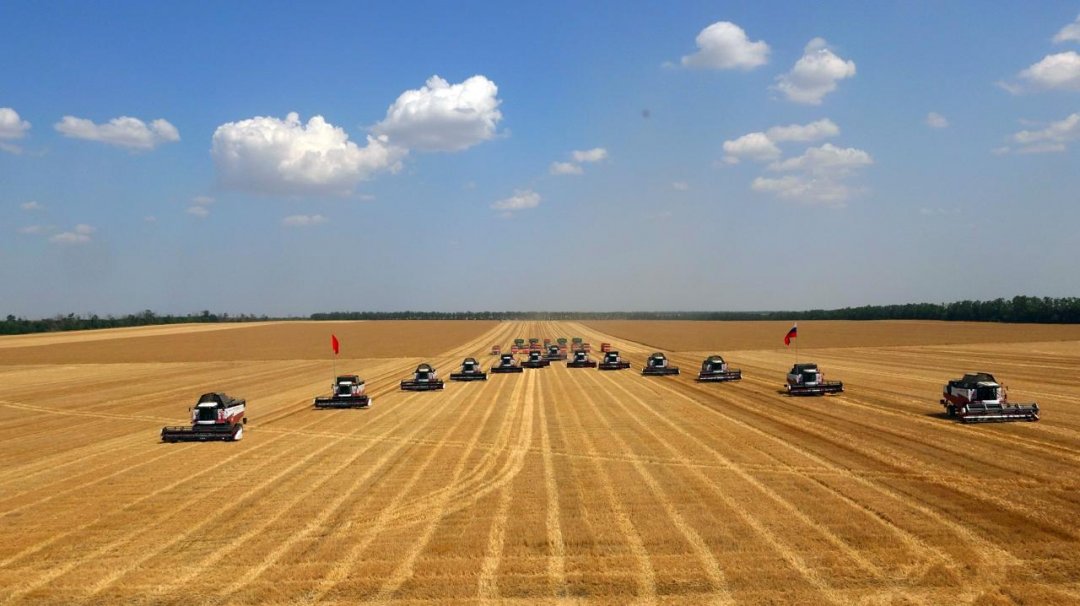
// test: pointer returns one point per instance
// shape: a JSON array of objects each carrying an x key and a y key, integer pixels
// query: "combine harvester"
[
  {"x": 496, "y": 350},
  {"x": 347, "y": 391},
  {"x": 978, "y": 398},
  {"x": 536, "y": 360},
  {"x": 807, "y": 380},
  {"x": 581, "y": 359},
  {"x": 605, "y": 347},
  {"x": 470, "y": 371},
  {"x": 555, "y": 354},
  {"x": 657, "y": 366},
  {"x": 715, "y": 370},
  {"x": 612, "y": 361},
  {"x": 216, "y": 417},
  {"x": 424, "y": 379},
  {"x": 507, "y": 364},
  {"x": 518, "y": 346}
]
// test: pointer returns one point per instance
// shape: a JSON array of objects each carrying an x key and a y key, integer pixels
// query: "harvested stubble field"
[{"x": 555, "y": 485}]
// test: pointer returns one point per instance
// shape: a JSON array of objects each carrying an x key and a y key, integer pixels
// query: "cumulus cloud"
[
  {"x": 595, "y": 154},
  {"x": 202, "y": 200},
  {"x": 32, "y": 206},
  {"x": 680, "y": 186},
  {"x": 271, "y": 156},
  {"x": 565, "y": 168},
  {"x": 814, "y": 75},
  {"x": 1056, "y": 137},
  {"x": 521, "y": 200},
  {"x": 124, "y": 131},
  {"x": 763, "y": 146},
  {"x": 724, "y": 45},
  {"x": 936, "y": 120},
  {"x": 820, "y": 175},
  {"x": 303, "y": 220},
  {"x": 79, "y": 235},
  {"x": 1069, "y": 33},
  {"x": 11, "y": 125},
  {"x": 36, "y": 230},
  {"x": 441, "y": 116},
  {"x": 1060, "y": 71},
  {"x": 198, "y": 211}
]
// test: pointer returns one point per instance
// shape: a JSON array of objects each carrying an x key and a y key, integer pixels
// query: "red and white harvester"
[
  {"x": 978, "y": 398},
  {"x": 555, "y": 353},
  {"x": 657, "y": 366},
  {"x": 470, "y": 371},
  {"x": 347, "y": 391},
  {"x": 612, "y": 361},
  {"x": 715, "y": 370},
  {"x": 507, "y": 364},
  {"x": 581, "y": 359},
  {"x": 216, "y": 417},
  {"x": 425, "y": 378},
  {"x": 496, "y": 350},
  {"x": 536, "y": 359},
  {"x": 808, "y": 380}
]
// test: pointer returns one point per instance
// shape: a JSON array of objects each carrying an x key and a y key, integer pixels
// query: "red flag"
[
  {"x": 335, "y": 344},
  {"x": 791, "y": 334}
]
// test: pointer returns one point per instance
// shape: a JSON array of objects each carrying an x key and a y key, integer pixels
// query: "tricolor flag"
[
  {"x": 335, "y": 344},
  {"x": 791, "y": 334}
]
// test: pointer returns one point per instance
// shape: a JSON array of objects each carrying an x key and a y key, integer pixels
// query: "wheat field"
[{"x": 552, "y": 486}]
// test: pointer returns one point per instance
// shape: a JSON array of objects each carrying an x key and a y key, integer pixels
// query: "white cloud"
[
  {"x": 271, "y": 156},
  {"x": 443, "y": 117},
  {"x": 202, "y": 200},
  {"x": 820, "y": 129},
  {"x": 36, "y": 230},
  {"x": 198, "y": 211},
  {"x": 522, "y": 199},
  {"x": 150, "y": 219},
  {"x": 811, "y": 190},
  {"x": 11, "y": 125},
  {"x": 724, "y": 45},
  {"x": 827, "y": 158},
  {"x": 820, "y": 177},
  {"x": 32, "y": 206},
  {"x": 680, "y": 186},
  {"x": 123, "y": 131},
  {"x": 1054, "y": 138},
  {"x": 815, "y": 74},
  {"x": 303, "y": 220},
  {"x": 1054, "y": 72},
  {"x": 936, "y": 120},
  {"x": 753, "y": 146},
  {"x": 595, "y": 154},
  {"x": 79, "y": 235},
  {"x": 565, "y": 168},
  {"x": 1070, "y": 32}
]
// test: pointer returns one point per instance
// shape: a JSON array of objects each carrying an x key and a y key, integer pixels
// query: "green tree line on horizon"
[{"x": 1019, "y": 309}]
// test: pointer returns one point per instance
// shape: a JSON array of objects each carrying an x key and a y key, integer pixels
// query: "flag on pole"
[
  {"x": 335, "y": 344},
  {"x": 791, "y": 334}
]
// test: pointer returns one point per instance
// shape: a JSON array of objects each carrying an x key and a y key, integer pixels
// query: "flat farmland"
[{"x": 552, "y": 486}]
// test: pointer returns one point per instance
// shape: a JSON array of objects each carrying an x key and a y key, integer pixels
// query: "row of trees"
[{"x": 1046, "y": 310}]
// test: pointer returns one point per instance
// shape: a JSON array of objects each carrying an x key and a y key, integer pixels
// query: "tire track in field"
[
  {"x": 786, "y": 551},
  {"x": 340, "y": 572},
  {"x": 646, "y": 577},
  {"x": 524, "y": 407},
  {"x": 717, "y": 578},
  {"x": 556, "y": 568},
  {"x": 333, "y": 507}
]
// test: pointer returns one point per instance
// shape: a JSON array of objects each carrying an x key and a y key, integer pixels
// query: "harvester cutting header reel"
[
  {"x": 470, "y": 371},
  {"x": 715, "y": 370},
  {"x": 216, "y": 417},
  {"x": 658, "y": 365},
  {"x": 807, "y": 380},
  {"x": 347, "y": 391},
  {"x": 978, "y": 398},
  {"x": 425, "y": 378}
]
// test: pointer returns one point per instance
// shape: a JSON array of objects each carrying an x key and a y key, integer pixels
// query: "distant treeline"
[
  {"x": 1044, "y": 310},
  {"x": 19, "y": 326}
]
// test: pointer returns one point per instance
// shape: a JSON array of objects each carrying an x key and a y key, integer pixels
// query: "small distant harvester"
[
  {"x": 470, "y": 371},
  {"x": 657, "y": 365},
  {"x": 215, "y": 417},
  {"x": 425, "y": 378},
  {"x": 807, "y": 380},
  {"x": 715, "y": 370},
  {"x": 347, "y": 391},
  {"x": 978, "y": 398}
]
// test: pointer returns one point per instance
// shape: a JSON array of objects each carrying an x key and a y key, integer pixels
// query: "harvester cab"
[
  {"x": 216, "y": 417},
  {"x": 612, "y": 361},
  {"x": 808, "y": 380},
  {"x": 978, "y": 398},
  {"x": 470, "y": 371},
  {"x": 581, "y": 360},
  {"x": 658, "y": 365},
  {"x": 554, "y": 353},
  {"x": 425, "y": 378},
  {"x": 605, "y": 347},
  {"x": 536, "y": 360},
  {"x": 347, "y": 391},
  {"x": 506, "y": 363},
  {"x": 715, "y": 370}
]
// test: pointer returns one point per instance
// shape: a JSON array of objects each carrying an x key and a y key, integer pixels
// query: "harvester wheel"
[
  {"x": 239, "y": 434},
  {"x": 951, "y": 410}
]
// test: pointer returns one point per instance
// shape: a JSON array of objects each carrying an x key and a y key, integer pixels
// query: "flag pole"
[{"x": 796, "y": 343}]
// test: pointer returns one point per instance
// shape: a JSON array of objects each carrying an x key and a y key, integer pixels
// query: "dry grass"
[{"x": 556, "y": 485}]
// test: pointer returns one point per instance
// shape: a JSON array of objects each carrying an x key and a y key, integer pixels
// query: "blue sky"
[{"x": 729, "y": 156}]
